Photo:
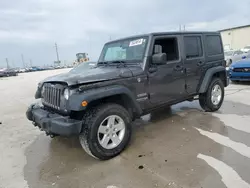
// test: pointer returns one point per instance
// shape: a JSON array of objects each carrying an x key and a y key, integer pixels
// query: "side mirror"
[{"x": 159, "y": 59}]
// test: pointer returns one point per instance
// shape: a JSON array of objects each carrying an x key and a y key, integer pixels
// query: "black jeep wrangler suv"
[{"x": 132, "y": 77}]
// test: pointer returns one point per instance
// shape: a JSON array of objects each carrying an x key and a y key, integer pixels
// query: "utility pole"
[
  {"x": 184, "y": 27},
  {"x": 57, "y": 55},
  {"x": 23, "y": 60},
  {"x": 179, "y": 27},
  {"x": 7, "y": 62},
  {"x": 30, "y": 63}
]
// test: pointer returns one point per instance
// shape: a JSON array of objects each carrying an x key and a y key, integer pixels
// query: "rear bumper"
[
  {"x": 239, "y": 76},
  {"x": 52, "y": 123}
]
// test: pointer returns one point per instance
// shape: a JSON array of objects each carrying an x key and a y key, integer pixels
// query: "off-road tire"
[
  {"x": 205, "y": 98},
  {"x": 91, "y": 122}
]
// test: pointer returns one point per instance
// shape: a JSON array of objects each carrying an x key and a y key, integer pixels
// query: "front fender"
[
  {"x": 208, "y": 76},
  {"x": 76, "y": 99}
]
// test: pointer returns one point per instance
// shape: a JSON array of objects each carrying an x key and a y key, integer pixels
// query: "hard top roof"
[{"x": 167, "y": 33}]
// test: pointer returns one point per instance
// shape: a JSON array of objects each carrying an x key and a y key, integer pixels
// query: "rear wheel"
[
  {"x": 106, "y": 131},
  {"x": 213, "y": 98}
]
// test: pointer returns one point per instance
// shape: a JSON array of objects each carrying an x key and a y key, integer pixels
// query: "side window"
[
  {"x": 214, "y": 46},
  {"x": 193, "y": 46},
  {"x": 168, "y": 46}
]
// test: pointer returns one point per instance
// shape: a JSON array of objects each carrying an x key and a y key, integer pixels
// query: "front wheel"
[
  {"x": 106, "y": 131},
  {"x": 213, "y": 98}
]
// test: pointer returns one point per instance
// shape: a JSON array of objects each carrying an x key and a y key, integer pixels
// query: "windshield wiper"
[
  {"x": 112, "y": 62},
  {"x": 102, "y": 63},
  {"x": 120, "y": 62}
]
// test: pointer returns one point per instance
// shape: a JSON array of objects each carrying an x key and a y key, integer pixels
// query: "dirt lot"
[{"x": 181, "y": 147}]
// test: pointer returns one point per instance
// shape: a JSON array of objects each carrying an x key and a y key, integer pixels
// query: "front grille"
[
  {"x": 241, "y": 69},
  {"x": 52, "y": 95}
]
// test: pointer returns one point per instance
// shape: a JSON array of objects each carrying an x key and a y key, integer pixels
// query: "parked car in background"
[
  {"x": 246, "y": 49},
  {"x": 233, "y": 56},
  {"x": 246, "y": 55},
  {"x": 22, "y": 70},
  {"x": 8, "y": 72},
  {"x": 240, "y": 71}
]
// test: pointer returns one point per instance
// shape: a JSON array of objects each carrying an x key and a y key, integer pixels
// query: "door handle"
[
  {"x": 200, "y": 63},
  {"x": 178, "y": 68}
]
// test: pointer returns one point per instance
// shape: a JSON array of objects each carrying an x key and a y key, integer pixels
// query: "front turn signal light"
[{"x": 84, "y": 103}]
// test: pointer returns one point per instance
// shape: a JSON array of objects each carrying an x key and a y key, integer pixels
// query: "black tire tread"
[
  {"x": 88, "y": 120},
  {"x": 204, "y": 98}
]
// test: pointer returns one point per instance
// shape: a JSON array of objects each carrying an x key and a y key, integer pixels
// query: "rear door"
[{"x": 194, "y": 60}]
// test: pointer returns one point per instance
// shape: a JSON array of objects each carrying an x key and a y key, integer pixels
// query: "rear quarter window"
[{"x": 214, "y": 45}]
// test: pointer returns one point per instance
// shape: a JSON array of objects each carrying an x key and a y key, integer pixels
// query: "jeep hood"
[{"x": 96, "y": 74}]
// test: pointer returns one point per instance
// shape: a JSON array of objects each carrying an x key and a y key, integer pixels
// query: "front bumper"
[
  {"x": 241, "y": 76},
  {"x": 52, "y": 123}
]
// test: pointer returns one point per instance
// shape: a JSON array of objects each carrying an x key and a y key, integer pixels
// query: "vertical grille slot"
[{"x": 52, "y": 95}]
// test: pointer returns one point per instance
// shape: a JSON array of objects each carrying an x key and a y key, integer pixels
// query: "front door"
[
  {"x": 166, "y": 81},
  {"x": 194, "y": 60}
]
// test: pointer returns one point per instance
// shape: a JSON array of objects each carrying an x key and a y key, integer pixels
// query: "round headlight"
[
  {"x": 42, "y": 91},
  {"x": 66, "y": 94}
]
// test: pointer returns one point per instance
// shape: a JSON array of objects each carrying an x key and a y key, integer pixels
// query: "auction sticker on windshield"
[{"x": 136, "y": 42}]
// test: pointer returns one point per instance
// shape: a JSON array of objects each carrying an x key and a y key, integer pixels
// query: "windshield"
[
  {"x": 82, "y": 67},
  {"x": 229, "y": 53},
  {"x": 124, "y": 50}
]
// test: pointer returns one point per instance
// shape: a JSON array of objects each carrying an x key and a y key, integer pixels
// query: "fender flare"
[
  {"x": 75, "y": 100},
  {"x": 208, "y": 76}
]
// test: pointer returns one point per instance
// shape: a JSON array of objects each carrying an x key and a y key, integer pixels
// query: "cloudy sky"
[{"x": 31, "y": 27}]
